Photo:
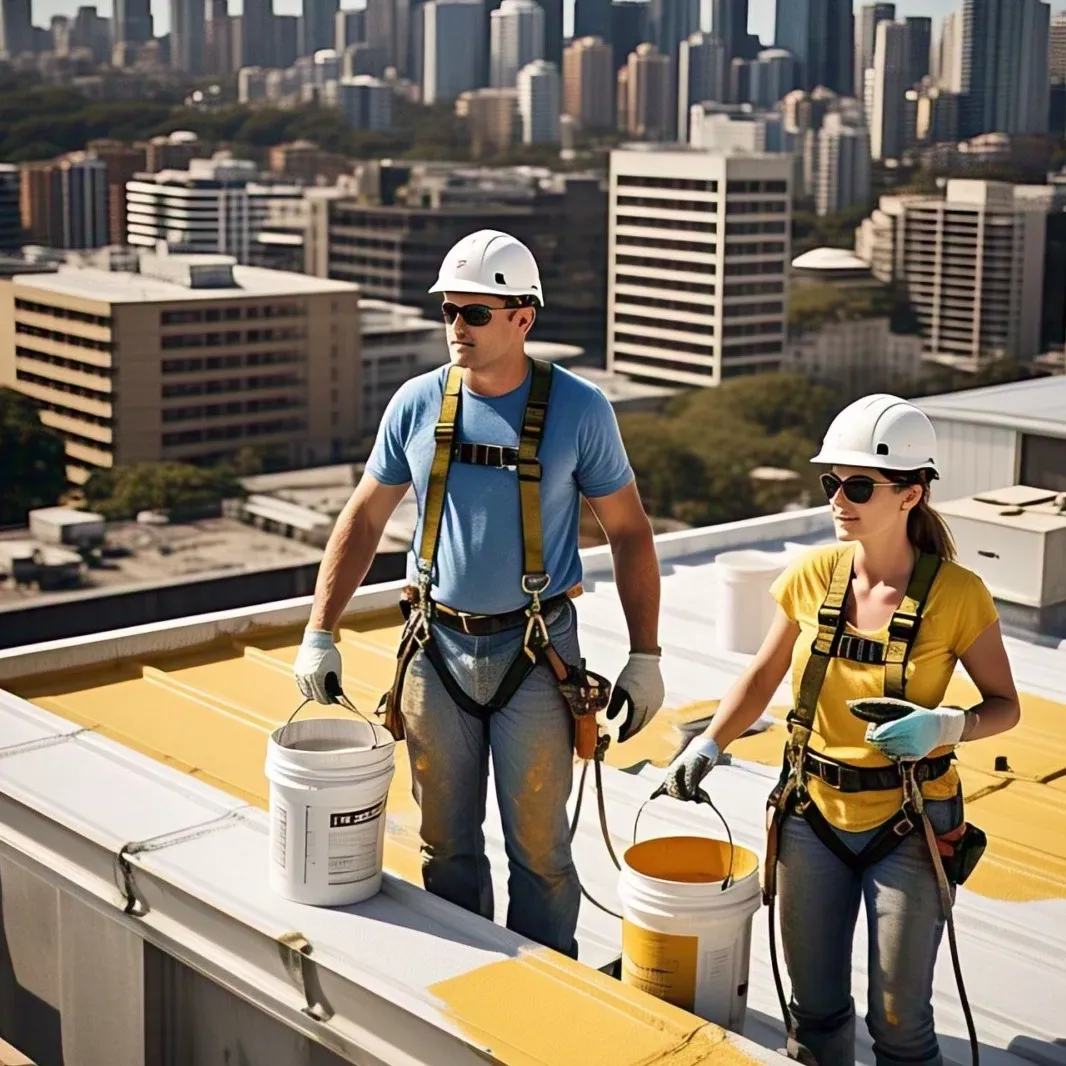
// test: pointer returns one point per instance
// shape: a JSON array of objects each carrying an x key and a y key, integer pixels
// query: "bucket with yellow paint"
[
  {"x": 329, "y": 782},
  {"x": 687, "y": 909}
]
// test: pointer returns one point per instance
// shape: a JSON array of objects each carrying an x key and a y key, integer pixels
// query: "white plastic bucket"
[
  {"x": 329, "y": 782},
  {"x": 746, "y": 607},
  {"x": 685, "y": 939}
]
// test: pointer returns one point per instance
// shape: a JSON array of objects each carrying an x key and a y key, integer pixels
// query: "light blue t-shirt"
[{"x": 479, "y": 555}]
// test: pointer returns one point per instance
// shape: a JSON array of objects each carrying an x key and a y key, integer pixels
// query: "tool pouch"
[
  {"x": 960, "y": 851},
  {"x": 586, "y": 694}
]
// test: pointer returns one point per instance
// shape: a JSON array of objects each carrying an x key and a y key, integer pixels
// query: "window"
[{"x": 1044, "y": 462}]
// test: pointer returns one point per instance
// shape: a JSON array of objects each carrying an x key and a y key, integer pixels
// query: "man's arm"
[
  {"x": 636, "y": 566},
  {"x": 351, "y": 548}
]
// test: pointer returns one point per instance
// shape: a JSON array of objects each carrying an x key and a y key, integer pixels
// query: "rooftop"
[
  {"x": 138, "y": 554},
  {"x": 132, "y": 734},
  {"x": 1037, "y": 406},
  {"x": 103, "y": 286},
  {"x": 830, "y": 260}
]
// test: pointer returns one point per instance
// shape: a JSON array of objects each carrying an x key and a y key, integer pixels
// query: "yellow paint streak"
[{"x": 561, "y": 1012}]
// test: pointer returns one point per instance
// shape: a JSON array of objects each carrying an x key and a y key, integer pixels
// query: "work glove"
[
  {"x": 318, "y": 667},
  {"x": 914, "y": 735},
  {"x": 638, "y": 694},
  {"x": 696, "y": 761}
]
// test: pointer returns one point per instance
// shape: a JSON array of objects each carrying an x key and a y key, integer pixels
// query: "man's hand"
[
  {"x": 637, "y": 694},
  {"x": 318, "y": 666},
  {"x": 687, "y": 771}
]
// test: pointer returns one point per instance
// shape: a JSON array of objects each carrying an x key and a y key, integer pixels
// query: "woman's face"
[{"x": 865, "y": 505}]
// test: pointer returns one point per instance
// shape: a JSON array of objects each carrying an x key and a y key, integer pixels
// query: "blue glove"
[
  {"x": 696, "y": 761},
  {"x": 917, "y": 733}
]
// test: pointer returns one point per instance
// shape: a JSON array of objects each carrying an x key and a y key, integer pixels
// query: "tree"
[
  {"x": 176, "y": 488},
  {"x": 33, "y": 463}
]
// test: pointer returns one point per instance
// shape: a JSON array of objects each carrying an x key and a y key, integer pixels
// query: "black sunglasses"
[
  {"x": 858, "y": 488},
  {"x": 471, "y": 314}
]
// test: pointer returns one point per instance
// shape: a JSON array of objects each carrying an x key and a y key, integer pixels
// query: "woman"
[{"x": 842, "y": 835}]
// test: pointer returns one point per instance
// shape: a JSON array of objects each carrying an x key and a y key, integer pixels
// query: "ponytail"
[
  {"x": 926, "y": 529},
  {"x": 928, "y": 532}
]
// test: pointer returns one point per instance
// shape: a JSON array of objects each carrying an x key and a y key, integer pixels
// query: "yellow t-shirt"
[{"x": 959, "y": 608}]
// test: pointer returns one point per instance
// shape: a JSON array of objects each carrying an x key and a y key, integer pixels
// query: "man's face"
[{"x": 497, "y": 329}]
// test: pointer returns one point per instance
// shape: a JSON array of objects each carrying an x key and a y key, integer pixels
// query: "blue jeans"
[
  {"x": 819, "y": 899},
  {"x": 531, "y": 745}
]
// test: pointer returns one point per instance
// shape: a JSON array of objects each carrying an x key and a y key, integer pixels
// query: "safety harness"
[
  {"x": 585, "y": 692},
  {"x": 790, "y": 795}
]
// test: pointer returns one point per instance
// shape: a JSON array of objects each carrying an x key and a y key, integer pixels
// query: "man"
[{"x": 495, "y": 580}]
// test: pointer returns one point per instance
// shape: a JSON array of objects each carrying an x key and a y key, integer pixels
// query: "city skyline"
[{"x": 760, "y": 20}]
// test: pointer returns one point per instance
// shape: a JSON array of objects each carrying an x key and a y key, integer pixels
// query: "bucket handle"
[
  {"x": 701, "y": 797},
  {"x": 340, "y": 698}
]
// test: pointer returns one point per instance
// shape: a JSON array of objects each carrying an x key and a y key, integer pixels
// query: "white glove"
[
  {"x": 639, "y": 692},
  {"x": 316, "y": 661},
  {"x": 917, "y": 733},
  {"x": 696, "y": 761}
]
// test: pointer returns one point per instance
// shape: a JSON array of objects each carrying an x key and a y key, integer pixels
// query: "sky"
[{"x": 760, "y": 21}]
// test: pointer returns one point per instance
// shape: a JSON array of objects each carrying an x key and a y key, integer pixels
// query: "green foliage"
[
  {"x": 177, "y": 488},
  {"x": 694, "y": 462},
  {"x": 812, "y": 305},
  {"x": 935, "y": 379},
  {"x": 829, "y": 231},
  {"x": 33, "y": 463}
]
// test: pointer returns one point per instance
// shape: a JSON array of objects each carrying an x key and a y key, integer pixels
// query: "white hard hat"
[
  {"x": 489, "y": 261},
  {"x": 881, "y": 431}
]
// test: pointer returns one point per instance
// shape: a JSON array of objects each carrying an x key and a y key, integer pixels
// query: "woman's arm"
[
  {"x": 987, "y": 664},
  {"x": 749, "y": 696}
]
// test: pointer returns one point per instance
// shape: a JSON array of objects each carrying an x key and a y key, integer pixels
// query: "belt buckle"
[
  {"x": 494, "y": 452},
  {"x": 831, "y": 774}
]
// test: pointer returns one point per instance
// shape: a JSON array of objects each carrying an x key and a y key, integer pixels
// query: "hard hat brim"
[
  {"x": 842, "y": 457},
  {"x": 464, "y": 285}
]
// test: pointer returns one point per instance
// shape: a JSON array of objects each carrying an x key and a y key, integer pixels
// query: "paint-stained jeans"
[
  {"x": 531, "y": 744},
  {"x": 819, "y": 900}
]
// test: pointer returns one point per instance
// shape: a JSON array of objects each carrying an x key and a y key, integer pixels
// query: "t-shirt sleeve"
[
  {"x": 800, "y": 588},
  {"x": 602, "y": 464},
  {"x": 388, "y": 458},
  {"x": 977, "y": 611},
  {"x": 785, "y": 588}
]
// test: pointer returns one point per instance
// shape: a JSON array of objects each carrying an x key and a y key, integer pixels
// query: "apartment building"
[
  {"x": 190, "y": 359},
  {"x": 972, "y": 263},
  {"x": 698, "y": 255}
]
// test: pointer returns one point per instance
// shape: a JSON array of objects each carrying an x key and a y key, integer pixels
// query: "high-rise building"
[
  {"x": 366, "y": 103},
  {"x": 492, "y": 120},
  {"x": 289, "y": 346},
  {"x": 187, "y": 35},
  {"x": 697, "y": 284},
  {"x": 217, "y": 206},
  {"x": 701, "y": 76},
  {"x": 256, "y": 40},
  {"x": 131, "y": 22},
  {"x": 349, "y": 27},
  {"x": 389, "y": 28},
  {"x": 648, "y": 106},
  {"x": 866, "y": 20},
  {"x": 843, "y": 176},
  {"x": 888, "y": 128},
  {"x": 588, "y": 83},
  {"x": 669, "y": 23},
  {"x": 10, "y": 213},
  {"x": 64, "y": 202},
  {"x": 219, "y": 40},
  {"x": 16, "y": 28},
  {"x": 1004, "y": 66},
  {"x": 737, "y": 127},
  {"x": 918, "y": 33},
  {"x": 947, "y": 54},
  {"x": 516, "y": 39},
  {"x": 1056, "y": 58},
  {"x": 592, "y": 18},
  {"x": 629, "y": 27},
  {"x": 972, "y": 264},
  {"x": 773, "y": 77},
  {"x": 318, "y": 27},
  {"x": 123, "y": 162},
  {"x": 451, "y": 33},
  {"x": 819, "y": 33},
  {"x": 539, "y": 102},
  {"x": 553, "y": 31},
  {"x": 729, "y": 23},
  {"x": 936, "y": 113}
]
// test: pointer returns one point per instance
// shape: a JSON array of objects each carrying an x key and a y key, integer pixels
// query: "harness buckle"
[
  {"x": 536, "y": 624},
  {"x": 536, "y": 585}
]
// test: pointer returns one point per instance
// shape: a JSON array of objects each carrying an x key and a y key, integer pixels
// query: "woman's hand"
[
  {"x": 915, "y": 734},
  {"x": 696, "y": 761}
]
